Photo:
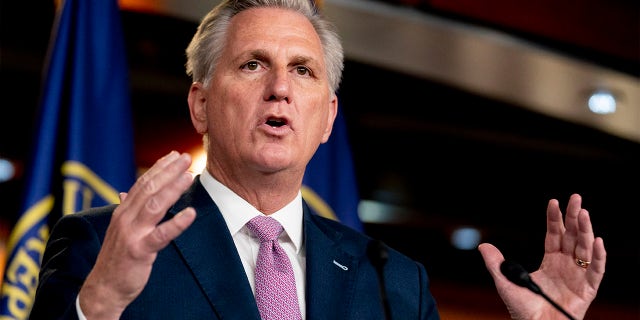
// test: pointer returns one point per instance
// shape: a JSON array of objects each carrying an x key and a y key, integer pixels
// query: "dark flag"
[
  {"x": 329, "y": 184},
  {"x": 82, "y": 152}
]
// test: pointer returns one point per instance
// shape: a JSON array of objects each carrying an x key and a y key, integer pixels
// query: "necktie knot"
[{"x": 265, "y": 228}]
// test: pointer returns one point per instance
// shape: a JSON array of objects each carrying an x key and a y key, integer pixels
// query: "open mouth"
[{"x": 276, "y": 122}]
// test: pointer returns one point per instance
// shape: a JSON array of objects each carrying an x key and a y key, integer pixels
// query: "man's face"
[{"x": 269, "y": 105}]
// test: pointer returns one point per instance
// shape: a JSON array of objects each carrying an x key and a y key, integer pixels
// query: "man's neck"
[{"x": 266, "y": 192}]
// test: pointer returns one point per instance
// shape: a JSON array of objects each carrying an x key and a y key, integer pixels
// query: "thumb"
[{"x": 492, "y": 259}]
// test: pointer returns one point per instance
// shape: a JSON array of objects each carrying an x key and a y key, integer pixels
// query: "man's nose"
[{"x": 278, "y": 86}]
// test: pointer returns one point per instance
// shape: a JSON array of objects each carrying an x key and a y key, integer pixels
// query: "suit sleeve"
[
  {"x": 69, "y": 256},
  {"x": 428, "y": 309},
  {"x": 408, "y": 289}
]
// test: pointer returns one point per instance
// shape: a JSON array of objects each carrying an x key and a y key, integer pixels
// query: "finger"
[
  {"x": 595, "y": 271},
  {"x": 158, "y": 166},
  {"x": 162, "y": 163},
  {"x": 156, "y": 190},
  {"x": 492, "y": 258},
  {"x": 122, "y": 196},
  {"x": 585, "y": 238},
  {"x": 159, "y": 169},
  {"x": 570, "y": 237},
  {"x": 555, "y": 227},
  {"x": 159, "y": 202},
  {"x": 170, "y": 229}
]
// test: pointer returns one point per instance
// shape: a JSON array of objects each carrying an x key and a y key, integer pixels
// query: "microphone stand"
[
  {"x": 379, "y": 255},
  {"x": 518, "y": 275}
]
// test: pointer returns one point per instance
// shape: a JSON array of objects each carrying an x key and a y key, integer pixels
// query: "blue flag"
[
  {"x": 329, "y": 184},
  {"x": 83, "y": 151}
]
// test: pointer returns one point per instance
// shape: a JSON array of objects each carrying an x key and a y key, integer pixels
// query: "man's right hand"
[{"x": 134, "y": 237}]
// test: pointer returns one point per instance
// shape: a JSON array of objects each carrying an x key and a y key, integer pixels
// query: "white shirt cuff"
[{"x": 78, "y": 310}]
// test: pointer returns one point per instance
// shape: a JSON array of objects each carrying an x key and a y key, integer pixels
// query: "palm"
[{"x": 570, "y": 286}]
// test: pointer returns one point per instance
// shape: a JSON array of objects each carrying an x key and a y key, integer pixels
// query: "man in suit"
[{"x": 265, "y": 73}]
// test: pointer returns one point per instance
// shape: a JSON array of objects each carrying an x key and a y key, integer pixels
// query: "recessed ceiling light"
[{"x": 602, "y": 102}]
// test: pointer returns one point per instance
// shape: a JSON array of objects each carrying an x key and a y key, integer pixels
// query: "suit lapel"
[
  {"x": 209, "y": 251},
  {"x": 330, "y": 271}
]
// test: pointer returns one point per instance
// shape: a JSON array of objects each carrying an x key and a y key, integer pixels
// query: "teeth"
[{"x": 275, "y": 122}]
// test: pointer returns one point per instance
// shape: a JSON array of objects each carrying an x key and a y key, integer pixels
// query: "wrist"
[{"x": 97, "y": 302}]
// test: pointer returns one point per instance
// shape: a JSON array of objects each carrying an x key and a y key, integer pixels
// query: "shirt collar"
[{"x": 237, "y": 211}]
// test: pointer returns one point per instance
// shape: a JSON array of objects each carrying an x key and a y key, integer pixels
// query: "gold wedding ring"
[{"x": 582, "y": 263}]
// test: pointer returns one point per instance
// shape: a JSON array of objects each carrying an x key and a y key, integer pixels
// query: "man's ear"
[
  {"x": 197, "y": 100},
  {"x": 331, "y": 117}
]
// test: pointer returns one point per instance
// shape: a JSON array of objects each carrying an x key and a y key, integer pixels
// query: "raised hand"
[
  {"x": 135, "y": 236},
  {"x": 570, "y": 273}
]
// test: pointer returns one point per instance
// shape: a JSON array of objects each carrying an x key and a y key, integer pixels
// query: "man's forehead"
[
  {"x": 264, "y": 29},
  {"x": 265, "y": 20}
]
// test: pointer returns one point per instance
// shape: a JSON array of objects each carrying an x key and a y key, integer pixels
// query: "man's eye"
[
  {"x": 302, "y": 70},
  {"x": 251, "y": 65}
]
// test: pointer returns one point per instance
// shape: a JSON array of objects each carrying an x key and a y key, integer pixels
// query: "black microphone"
[
  {"x": 378, "y": 254},
  {"x": 518, "y": 275}
]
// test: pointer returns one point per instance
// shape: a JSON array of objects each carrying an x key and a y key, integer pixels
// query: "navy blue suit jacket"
[{"x": 200, "y": 276}]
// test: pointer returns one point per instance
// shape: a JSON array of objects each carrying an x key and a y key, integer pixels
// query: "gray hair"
[{"x": 208, "y": 42}]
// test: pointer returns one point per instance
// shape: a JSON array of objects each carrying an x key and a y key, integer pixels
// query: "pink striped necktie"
[{"x": 275, "y": 284}]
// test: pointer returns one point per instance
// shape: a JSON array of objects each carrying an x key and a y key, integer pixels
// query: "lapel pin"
[{"x": 340, "y": 266}]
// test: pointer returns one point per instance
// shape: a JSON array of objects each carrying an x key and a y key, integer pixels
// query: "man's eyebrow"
[
  {"x": 259, "y": 54},
  {"x": 300, "y": 59}
]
